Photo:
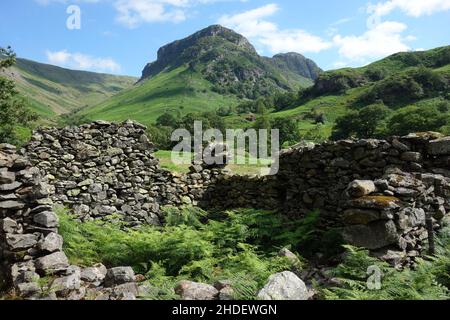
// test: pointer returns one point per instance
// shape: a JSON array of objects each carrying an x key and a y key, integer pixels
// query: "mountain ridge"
[{"x": 51, "y": 90}]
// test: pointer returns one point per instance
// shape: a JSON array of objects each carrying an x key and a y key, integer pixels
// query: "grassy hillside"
[
  {"x": 179, "y": 91},
  {"x": 52, "y": 91},
  {"x": 213, "y": 68},
  {"x": 405, "y": 81}
]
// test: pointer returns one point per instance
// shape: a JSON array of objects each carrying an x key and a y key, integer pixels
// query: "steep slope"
[
  {"x": 215, "y": 67},
  {"x": 406, "y": 79},
  {"x": 52, "y": 90},
  {"x": 231, "y": 64}
]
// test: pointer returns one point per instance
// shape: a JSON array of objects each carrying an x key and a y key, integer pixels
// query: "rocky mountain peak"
[{"x": 298, "y": 63}]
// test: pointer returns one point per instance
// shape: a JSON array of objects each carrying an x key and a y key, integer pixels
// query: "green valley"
[{"x": 51, "y": 91}]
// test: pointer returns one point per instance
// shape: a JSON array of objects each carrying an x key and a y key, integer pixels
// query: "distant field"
[
  {"x": 239, "y": 169},
  {"x": 177, "y": 91},
  {"x": 51, "y": 91}
]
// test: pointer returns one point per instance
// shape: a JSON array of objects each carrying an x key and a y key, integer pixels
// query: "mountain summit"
[
  {"x": 214, "y": 68},
  {"x": 231, "y": 64}
]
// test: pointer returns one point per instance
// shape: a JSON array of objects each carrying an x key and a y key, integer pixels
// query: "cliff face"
[{"x": 297, "y": 63}]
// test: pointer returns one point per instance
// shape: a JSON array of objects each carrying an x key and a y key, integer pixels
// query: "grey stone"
[
  {"x": 28, "y": 289},
  {"x": 11, "y": 205},
  {"x": 21, "y": 241},
  {"x": 189, "y": 290},
  {"x": 8, "y": 225},
  {"x": 64, "y": 285},
  {"x": 375, "y": 235},
  {"x": 46, "y": 219},
  {"x": 284, "y": 286},
  {"x": 360, "y": 188},
  {"x": 411, "y": 156},
  {"x": 51, "y": 243},
  {"x": 119, "y": 275},
  {"x": 52, "y": 263},
  {"x": 439, "y": 146},
  {"x": 7, "y": 177},
  {"x": 95, "y": 274},
  {"x": 10, "y": 186}
]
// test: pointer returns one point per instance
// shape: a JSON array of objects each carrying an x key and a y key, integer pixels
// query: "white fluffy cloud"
[
  {"x": 414, "y": 8},
  {"x": 81, "y": 61},
  {"x": 254, "y": 25},
  {"x": 382, "y": 40},
  {"x": 132, "y": 13}
]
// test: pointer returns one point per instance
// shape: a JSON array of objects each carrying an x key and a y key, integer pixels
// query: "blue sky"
[{"x": 121, "y": 36}]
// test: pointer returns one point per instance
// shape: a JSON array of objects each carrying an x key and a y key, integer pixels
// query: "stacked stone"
[
  {"x": 102, "y": 169},
  {"x": 379, "y": 191},
  {"x": 30, "y": 246}
]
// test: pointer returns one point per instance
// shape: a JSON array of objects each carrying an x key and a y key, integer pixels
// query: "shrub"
[
  {"x": 361, "y": 124},
  {"x": 239, "y": 244},
  {"x": 420, "y": 283},
  {"x": 416, "y": 119}
]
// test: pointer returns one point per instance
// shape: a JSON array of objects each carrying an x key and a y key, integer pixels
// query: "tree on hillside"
[
  {"x": 417, "y": 119},
  {"x": 167, "y": 120},
  {"x": 13, "y": 112},
  {"x": 289, "y": 133},
  {"x": 360, "y": 124}
]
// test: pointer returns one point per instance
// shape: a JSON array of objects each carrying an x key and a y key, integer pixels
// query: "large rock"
[
  {"x": 375, "y": 235},
  {"x": 64, "y": 285},
  {"x": 11, "y": 205},
  {"x": 360, "y": 216},
  {"x": 119, "y": 275},
  {"x": 21, "y": 241},
  {"x": 7, "y": 177},
  {"x": 52, "y": 263},
  {"x": 439, "y": 146},
  {"x": 46, "y": 219},
  {"x": 360, "y": 188},
  {"x": 95, "y": 274},
  {"x": 189, "y": 290},
  {"x": 284, "y": 286},
  {"x": 51, "y": 243},
  {"x": 376, "y": 202}
]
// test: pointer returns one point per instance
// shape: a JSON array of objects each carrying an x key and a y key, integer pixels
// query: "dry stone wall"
[
  {"x": 382, "y": 194},
  {"x": 101, "y": 169}
]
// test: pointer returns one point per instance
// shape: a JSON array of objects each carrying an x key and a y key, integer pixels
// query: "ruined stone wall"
[
  {"x": 379, "y": 192},
  {"x": 30, "y": 246},
  {"x": 102, "y": 169}
]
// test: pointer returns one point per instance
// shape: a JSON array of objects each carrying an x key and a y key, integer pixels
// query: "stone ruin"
[{"x": 384, "y": 195}]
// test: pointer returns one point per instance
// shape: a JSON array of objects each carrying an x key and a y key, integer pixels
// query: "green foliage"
[
  {"x": 14, "y": 113},
  {"x": 412, "y": 85},
  {"x": 360, "y": 124},
  {"x": 166, "y": 120},
  {"x": 52, "y": 91},
  {"x": 289, "y": 132},
  {"x": 416, "y": 119},
  {"x": 192, "y": 245},
  {"x": 424, "y": 282}
]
